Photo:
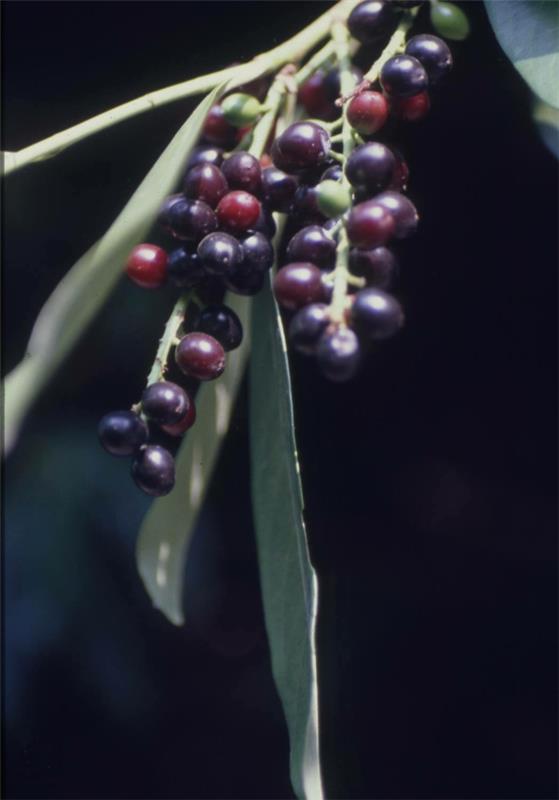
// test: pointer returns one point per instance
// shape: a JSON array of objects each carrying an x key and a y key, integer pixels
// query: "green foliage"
[
  {"x": 450, "y": 21},
  {"x": 528, "y": 32},
  {"x": 289, "y": 586}
]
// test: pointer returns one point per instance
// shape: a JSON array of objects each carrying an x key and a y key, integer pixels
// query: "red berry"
[
  {"x": 411, "y": 109},
  {"x": 370, "y": 225},
  {"x": 217, "y": 130},
  {"x": 180, "y": 427},
  {"x": 238, "y": 211},
  {"x": 298, "y": 284},
  {"x": 147, "y": 266},
  {"x": 367, "y": 112},
  {"x": 313, "y": 96},
  {"x": 205, "y": 182},
  {"x": 200, "y": 356}
]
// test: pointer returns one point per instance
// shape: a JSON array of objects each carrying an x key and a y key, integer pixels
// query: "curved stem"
[{"x": 293, "y": 49}]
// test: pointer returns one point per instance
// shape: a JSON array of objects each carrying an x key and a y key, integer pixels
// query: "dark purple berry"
[
  {"x": 278, "y": 189},
  {"x": 206, "y": 154},
  {"x": 403, "y": 76},
  {"x": 369, "y": 20},
  {"x": 179, "y": 428},
  {"x": 378, "y": 266},
  {"x": 184, "y": 268},
  {"x": 333, "y": 173},
  {"x": 223, "y": 324},
  {"x": 403, "y": 211},
  {"x": 258, "y": 252},
  {"x": 338, "y": 355},
  {"x": 332, "y": 84},
  {"x": 121, "y": 433},
  {"x": 370, "y": 167},
  {"x": 298, "y": 284},
  {"x": 205, "y": 182},
  {"x": 301, "y": 146},
  {"x": 305, "y": 208},
  {"x": 165, "y": 402},
  {"x": 313, "y": 244},
  {"x": 376, "y": 314},
  {"x": 264, "y": 224},
  {"x": 307, "y": 326},
  {"x": 153, "y": 470},
  {"x": 242, "y": 171},
  {"x": 218, "y": 130},
  {"x": 219, "y": 253},
  {"x": 200, "y": 356},
  {"x": 370, "y": 225},
  {"x": 191, "y": 219},
  {"x": 166, "y": 206},
  {"x": 245, "y": 280},
  {"x": 433, "y": 53}
]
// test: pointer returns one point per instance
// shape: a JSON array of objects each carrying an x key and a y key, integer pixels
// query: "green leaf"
[
  {"x": 84, "y": 289},
  {"x": 167, "y": 529},
  {"x": 528, "y": 32},
  {"x": 547, "y": 119},
  {"x": 289, "y": 584}
]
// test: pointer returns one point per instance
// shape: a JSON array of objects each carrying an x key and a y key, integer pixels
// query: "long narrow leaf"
[
  {"x": 84, "y": 289},
  {"x": 289, "y": 584}
]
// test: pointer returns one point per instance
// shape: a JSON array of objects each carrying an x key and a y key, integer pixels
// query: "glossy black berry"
[
  {"x": 121, "y": 433},
  {"x": 333, "y": 173},
  {"x": 166, "y": 206},
  {"x": 206, "y": 154},
  {"x": 219, "y": 253},
  {"x": 223, "y": 324},
  {"x": 243, "y": 171},
  {"x": 313, "y": 244},
  {"x": 403, "y": 211},
  {"x": 278, "y": 189},
  {"x": 307, "y": 326},
  {"x": 370, "y": 167},
  {"x": 377, "y": 265},
  {"x": 264, "y": 224},
  {"x": 191, "y": 219},
  {"x": 369, "y": 20},
  {"x": 200, "y": 356},
  {"x": 153, "y": 470},
  {"x": 298, "y": 284},
  {"x": 205, "y": 182},
  {"x": 433, "y": 53},
  {"x": 184, "y": 268},
  {"x": 305, "y": 210},
  {"x": 301, "y": 146},
  {"x": 245, "y": 280},
  {"x": 258, "y": 252},
  {"x": 376, "y": 314},
  {"x": 338, "y": 355},
  {"x": 164, "y": 402},
  {"x": 403, "y": 76}
]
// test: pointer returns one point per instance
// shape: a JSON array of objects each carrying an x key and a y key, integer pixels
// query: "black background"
[{"x": 430, "y": 480}]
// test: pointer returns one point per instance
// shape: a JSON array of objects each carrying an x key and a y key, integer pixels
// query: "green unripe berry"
[
  {"x": 241, "y": 109},
  {"x": 333, "y": 198},
  {"x": 450, "y": 21}
]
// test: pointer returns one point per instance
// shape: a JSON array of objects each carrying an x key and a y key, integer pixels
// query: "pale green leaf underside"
[
  {"x": 289, "y": 585},
  {"x": 84, "y": 289},
  {"x": 168, "y": 526},
  {"x": 528, "y": 32}
]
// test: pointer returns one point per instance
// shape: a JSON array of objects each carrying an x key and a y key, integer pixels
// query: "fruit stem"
[
  {"x": 292, "y": 50},
  {"x": 263, "y": 128}
]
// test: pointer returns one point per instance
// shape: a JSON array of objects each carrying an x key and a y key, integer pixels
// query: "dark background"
[{"x": 430, "y": 480}]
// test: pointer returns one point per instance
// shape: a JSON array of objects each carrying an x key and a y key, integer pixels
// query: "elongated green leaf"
[
  {"x": 289, "y": 584},
  {"x": 168, "y": 526},
  {"x": 84, "y": 289},
  {"x": 528, "y": 32}
]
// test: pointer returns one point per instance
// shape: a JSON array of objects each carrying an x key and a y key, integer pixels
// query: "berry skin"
[
  {"x": 305, "y": 208},
  {"x": 301, "y": 146},
  {"x": 298, "y": 284},
  {"x": 411, "y": 109},
  {"x": 184, "y": 268},
  {"x": 278, "y": 189},
  {"x": 258, "y": 252},
  {"x": 153, "y": 470},
  {"x": 205, "y": 182},
  {"x": 370, "y": 167},
  {"x": 179, "y": 428},
  {"x": 367, "y": 112},
  {"x": 313, "y": 244},
  {"x": 333, "y": 173},
  {"x": 223, "y": 324},
  {"x": 245, "y": 280},
  {"x": 332, "y": 83},
  {"x": 191, "y": 219},
  {"x": 403, "y": 76},
  {"x": 166, "y": 206},
  {"x": 433, "y": 53},
  {"x": 217, "y": 130},
  {"x": 238, "y": 211},
  {"x": 243, "y": 171},
  {"x": 121, "y": 433},
  {"x": 265, "y": 224},
  {"x": 450, "y": 21},
  {"x": 333, "y": 198},
  {"x": 205, "y": 154},
  {"x": 200, "y": 356},
  {"x": 146, "y": 266},
  {"x": 219, "y": 253},
  {"x": 338, "y": 355},
  {"x": 403, "y": 211},
  {"x": 313, "y": 96},
  {"x": 378, "y": 266},
  {"x": 241, "y": 109},
  {"x": 165, "y": 402},
  {"x": 370, "y": 225},
  {"x": 307, "y": 326},
  {"x": 369, "y": 20},
  {"x": 376, "y": 314}
]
